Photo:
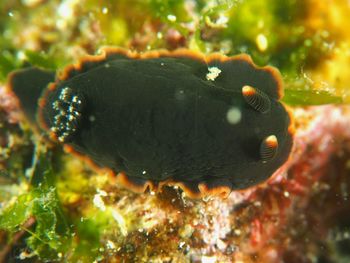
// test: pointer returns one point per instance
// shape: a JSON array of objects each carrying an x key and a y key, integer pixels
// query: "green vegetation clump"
[{"x": 38, "y": 213}]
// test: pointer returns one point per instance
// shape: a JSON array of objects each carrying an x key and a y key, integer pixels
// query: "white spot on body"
[
  {"x": 68, "y": 108},
  {"x": 234, "y": 115},
  {"x": 180, "y": 95},
  {"x": 92, "y": 118},
  {"x": 56, "y": 105},
  {"x": 213, "y": 73}
]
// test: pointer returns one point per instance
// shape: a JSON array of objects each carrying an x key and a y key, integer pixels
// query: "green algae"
[
  {"x": 310, "y": 97},
  {"x": 52, "y": 235},
  {"x": 49, "y": 234},
  {"x": 10, "y": 61}
]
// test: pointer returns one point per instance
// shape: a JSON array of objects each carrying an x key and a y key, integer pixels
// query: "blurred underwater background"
[{"x": 54, "y": 208}]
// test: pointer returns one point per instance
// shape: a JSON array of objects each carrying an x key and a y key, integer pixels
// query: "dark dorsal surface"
[
  {"x": 204, "y": 122},
  {"x": 28, "y": 85},
  {"x": 161, "y": 118}
]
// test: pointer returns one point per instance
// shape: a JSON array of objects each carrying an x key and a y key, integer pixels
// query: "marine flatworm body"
[{"x": 209, "y": 124}]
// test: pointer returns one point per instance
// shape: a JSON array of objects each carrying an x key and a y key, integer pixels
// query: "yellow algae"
[{"x": 332, "y": 21}]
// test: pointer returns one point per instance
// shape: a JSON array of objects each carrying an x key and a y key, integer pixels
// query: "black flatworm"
[{"x": 209, "y": 124}]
